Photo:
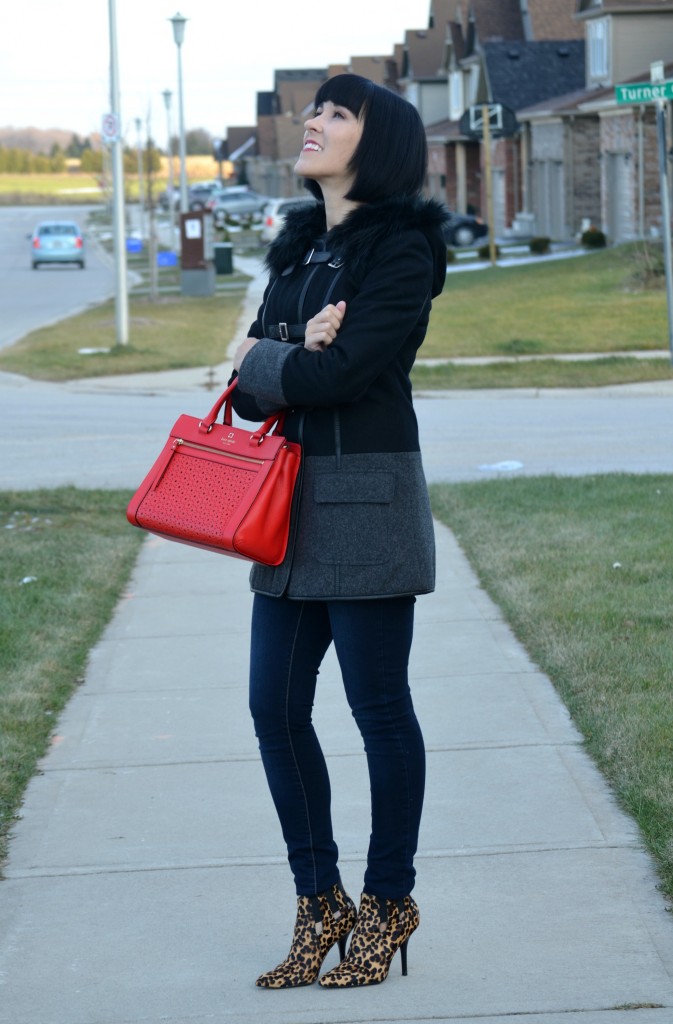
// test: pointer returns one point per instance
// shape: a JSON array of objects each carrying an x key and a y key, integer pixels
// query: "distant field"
[{"x": 76, "y": 187}]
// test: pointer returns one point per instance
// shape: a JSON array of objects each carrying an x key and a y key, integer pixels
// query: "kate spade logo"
[{"x": 229, "y": 439}]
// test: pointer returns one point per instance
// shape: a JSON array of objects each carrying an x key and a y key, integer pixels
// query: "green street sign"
[{"x": 644, "y": 92}]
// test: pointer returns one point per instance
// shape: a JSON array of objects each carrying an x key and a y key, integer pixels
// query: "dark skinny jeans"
[{"x": 372, "y": 639}]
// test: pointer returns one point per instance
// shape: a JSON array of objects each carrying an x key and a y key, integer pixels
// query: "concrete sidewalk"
[{"x": 147, "y": 879}]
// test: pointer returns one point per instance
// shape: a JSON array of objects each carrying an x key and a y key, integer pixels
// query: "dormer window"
[{"x": 598, "y": 51}]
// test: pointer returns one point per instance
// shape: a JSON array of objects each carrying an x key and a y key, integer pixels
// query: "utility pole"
[
  {"x": 152, "y": 236},
  {"x": 141, "y": 185},
  {"x": 118, "y": 219},
  {"x": 488, "y": 170}
]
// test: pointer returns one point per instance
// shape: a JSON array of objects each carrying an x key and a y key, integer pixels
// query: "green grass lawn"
[
  {"x": 49, "y": 189},
  {"x": 582, "y": 570},
  {"x": 170, "y": 334},
  {"x": 587, "y": 304},
  {"x": 546, "y": 373},
  {"x": 65, "y": 558},
  {"x": 584, "y": 304}
]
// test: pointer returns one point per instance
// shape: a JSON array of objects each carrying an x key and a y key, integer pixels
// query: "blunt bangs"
[
  {"x": 391, "y": 158},
  {"x": 349, "y": 91}
]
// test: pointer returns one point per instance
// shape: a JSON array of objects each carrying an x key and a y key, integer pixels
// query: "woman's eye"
[{"x": 337, "y": 113}]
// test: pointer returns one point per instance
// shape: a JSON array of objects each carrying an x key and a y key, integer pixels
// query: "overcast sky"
[{"x": 54, "y": 55}]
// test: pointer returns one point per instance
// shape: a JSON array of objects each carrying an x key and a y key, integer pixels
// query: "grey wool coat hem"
[
  {"x": 361, "y": 526},
  {"x": 364, "y": 531}
]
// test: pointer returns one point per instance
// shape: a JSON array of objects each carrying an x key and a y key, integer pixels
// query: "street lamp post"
[
  {"x": 118, "y": 214},
  {"x": 168, "y": 95},
  {"x": 141, "y": 185},
  {"x": 178, "y": 23}
]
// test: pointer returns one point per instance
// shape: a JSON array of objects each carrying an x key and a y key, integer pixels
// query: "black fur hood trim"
[{"x": 360, "y": 234}]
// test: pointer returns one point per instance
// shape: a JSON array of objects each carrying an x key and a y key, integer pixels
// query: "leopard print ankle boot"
[
  {"x": 322, "y": 921},
  {"x": 383, "y": 927}
]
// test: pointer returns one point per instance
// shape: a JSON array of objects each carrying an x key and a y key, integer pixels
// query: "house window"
[
  {"x": 456, "y": 103},
  {"x": 598, "y": 50}
]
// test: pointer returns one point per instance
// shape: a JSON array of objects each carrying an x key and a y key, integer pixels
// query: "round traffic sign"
[{"x": 110, "y": 127}]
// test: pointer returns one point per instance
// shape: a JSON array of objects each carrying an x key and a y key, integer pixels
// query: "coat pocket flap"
[{"x": 374, "y": 488}]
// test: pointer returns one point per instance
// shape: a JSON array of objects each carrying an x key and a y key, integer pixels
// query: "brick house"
[
  {"x": 584, "y": 157},
  {"x": 514, "y": 53},
  {"x": 280, "y": 129}
]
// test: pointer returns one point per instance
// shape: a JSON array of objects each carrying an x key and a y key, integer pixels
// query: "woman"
[{"x": 343, "y": 315}]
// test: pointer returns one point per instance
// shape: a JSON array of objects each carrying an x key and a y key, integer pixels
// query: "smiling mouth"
[{"x": 312, "y": 146}]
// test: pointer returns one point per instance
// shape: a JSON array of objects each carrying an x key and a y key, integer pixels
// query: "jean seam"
[
  {"x": 291, "y": 745},
  {"x": 400, "y": 744}
]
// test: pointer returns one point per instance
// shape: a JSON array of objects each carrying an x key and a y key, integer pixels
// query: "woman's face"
[{"x": 331, "y": 137}]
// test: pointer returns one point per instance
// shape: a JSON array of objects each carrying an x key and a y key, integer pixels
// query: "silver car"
[
  {"x": 57, "y": 241},
  {"x": 275, "y": 212},
  {"x": 234, "y": 206}
]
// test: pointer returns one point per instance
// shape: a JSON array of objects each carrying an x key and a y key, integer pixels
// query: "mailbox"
[{"x": 197, "y": 271}]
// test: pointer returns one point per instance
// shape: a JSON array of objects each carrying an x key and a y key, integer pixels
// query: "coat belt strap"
[{"x": 285, "y": 332}]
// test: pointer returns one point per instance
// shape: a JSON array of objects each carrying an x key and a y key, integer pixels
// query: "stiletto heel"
[
  {"x": 403, "y": 954},
  {"x": 322, "y": 921},
  {"x": 382, "y": 927}
]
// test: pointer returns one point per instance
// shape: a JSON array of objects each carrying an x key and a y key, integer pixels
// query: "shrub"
[
  {"x": 593, "y": 238},
  {"x": 540, "y": 245},
  {"x": 484, "y": 252},
  {"x": 450, "y": 256},
  {"x": 649, "y": 267}
]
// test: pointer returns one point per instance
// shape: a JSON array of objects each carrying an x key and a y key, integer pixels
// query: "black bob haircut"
[{"x": 391, "y": 158}]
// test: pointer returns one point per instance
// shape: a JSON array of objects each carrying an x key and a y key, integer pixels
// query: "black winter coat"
[{"x": 362, "y": 527}]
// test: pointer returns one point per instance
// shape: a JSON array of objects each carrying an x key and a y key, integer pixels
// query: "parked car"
[
  {"x": 464, "y": 229},
  {"x": 236, "y": 206},
  {"x": 57, "y": 241},
  {"x": 275, "y": 212},
  {"x": 199, "y": 194},
  {"x": 164, "y": 199}
]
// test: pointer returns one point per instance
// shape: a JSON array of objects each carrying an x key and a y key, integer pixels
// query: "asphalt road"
[
  {"x": 33, "y": 298},
  {"x": 92, "y": 437},
  {"x": 105, "y": 434}
]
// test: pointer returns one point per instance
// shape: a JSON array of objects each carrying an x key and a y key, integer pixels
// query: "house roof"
[
  {"x": 296, "y": 87},
  {"x": 593, "y": 8},
  {"x": 443, "y": 131},
  {"x": 443, "y": 11},
  {"x": 424, "y": 53},
  {"x": 521, "y": 74},
  {"x": 582, "y": 100},
  {"x": 381, "y": 70}
]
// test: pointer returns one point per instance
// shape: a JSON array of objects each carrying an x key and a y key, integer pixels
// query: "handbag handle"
[{"x": 276, "y": 419}]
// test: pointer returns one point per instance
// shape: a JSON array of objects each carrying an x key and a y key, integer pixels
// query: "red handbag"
[{"x": 221, "y": 487}]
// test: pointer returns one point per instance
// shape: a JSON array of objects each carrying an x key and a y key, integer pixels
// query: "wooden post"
[{"x": 488, "y": 170}]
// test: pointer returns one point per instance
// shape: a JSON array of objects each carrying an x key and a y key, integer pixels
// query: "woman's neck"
[{"x": 337, "y": 207}]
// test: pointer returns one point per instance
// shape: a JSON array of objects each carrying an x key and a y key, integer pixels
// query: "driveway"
[{"x": 34, "y": 298}]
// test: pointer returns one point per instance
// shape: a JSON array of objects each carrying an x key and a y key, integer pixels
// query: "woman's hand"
[
  {"x": 242, "y": 351},
  {"x": 322, "y": 329}
]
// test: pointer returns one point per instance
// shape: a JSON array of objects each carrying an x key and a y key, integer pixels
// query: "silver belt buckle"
[{"x": 284, "y": 333}]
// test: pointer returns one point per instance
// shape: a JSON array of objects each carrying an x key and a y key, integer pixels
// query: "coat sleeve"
[
  {"x": 378, "y": 320},
  {"x": 247, "y": 405}
]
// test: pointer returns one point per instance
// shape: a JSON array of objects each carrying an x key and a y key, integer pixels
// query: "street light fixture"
[
  {"x": 178, "y": 22},
  {"x": 168, "y": 95}
]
